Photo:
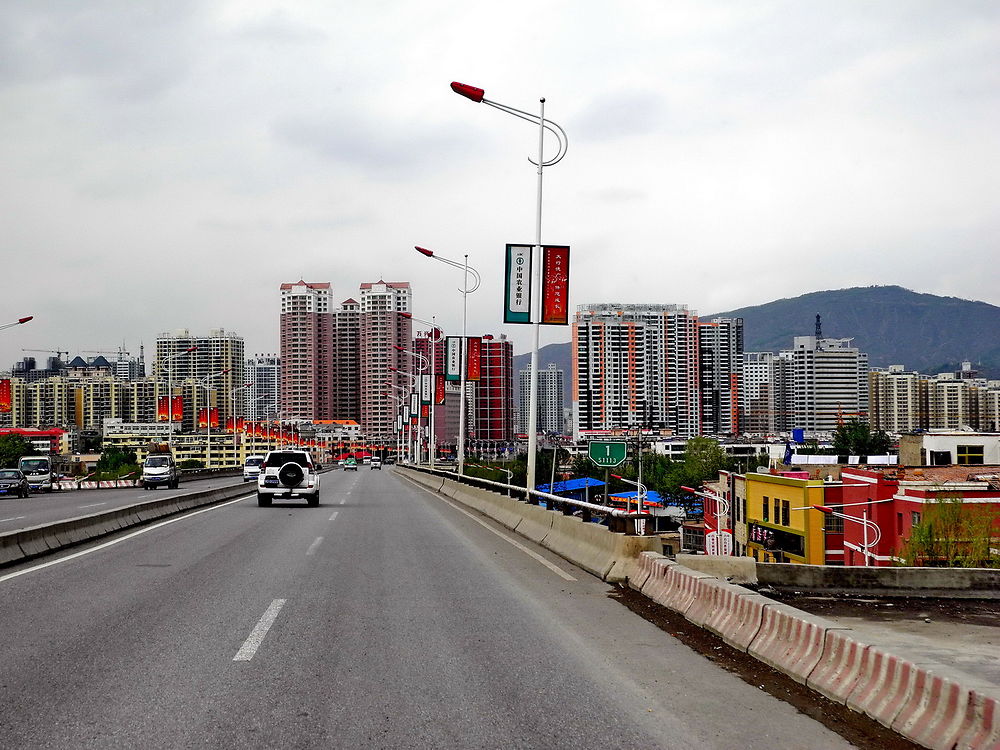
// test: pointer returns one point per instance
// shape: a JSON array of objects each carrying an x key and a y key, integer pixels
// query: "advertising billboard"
[
  {"x": 5, "y": 399},
  {"x": 555, "y": 285},
  {"x": 517, "y": 284},
  {"x": 474, "y": 355}
]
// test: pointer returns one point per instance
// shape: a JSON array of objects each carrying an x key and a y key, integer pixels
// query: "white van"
[{"x": 251, "y": 468}]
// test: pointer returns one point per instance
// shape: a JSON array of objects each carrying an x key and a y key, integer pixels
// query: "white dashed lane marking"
[{"x": 256, "y": 637}]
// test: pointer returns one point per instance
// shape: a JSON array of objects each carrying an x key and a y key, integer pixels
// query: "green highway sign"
[{"x": 607, "y": 453}]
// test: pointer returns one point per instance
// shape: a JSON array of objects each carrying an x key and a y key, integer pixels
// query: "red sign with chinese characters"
[
  {"x": 204, "y": 415},
  {"x": 555, "y": 285},
  {"x": 439, "y": 388},
  {"x": 475, "y": 352},
  {"x": 5, "y": 402}
]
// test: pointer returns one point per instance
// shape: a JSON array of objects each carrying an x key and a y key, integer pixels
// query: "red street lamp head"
[
  {"x": 189, "y": 349},
  {"x": 692, "y": 490},
  {"x": 823, "y": 508},
  {"x": 616, "y": 476},
  {"x": 405, "y": 314},
  {"x": 469, "y": 92},
  {"x": 21, "y": 321},
  {"x": 424, "y": 251},
  {"x": 398, "y": 348}
]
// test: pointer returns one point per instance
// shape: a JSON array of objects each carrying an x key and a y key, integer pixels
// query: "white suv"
[{"x": 287, "y": 473}]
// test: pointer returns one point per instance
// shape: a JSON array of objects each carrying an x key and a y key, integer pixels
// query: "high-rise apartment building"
[
  {"x": 381, "y": 328},
  {"x": 829, "y": 383},
  {"x": 306, "y": 350},
  {"x": 217, "y": 363},
  {"x": 758, "y": 396},
  {"x": 897, "y": 400},
  {"x": 346, "y": 361},
  {"x": 720, "y": 361},
  {"x": 262, "y": 376},
  {"x": 551, "y": 399},
  {"x": 636, "y": 365},
  {"x": 495, "y": 391}
]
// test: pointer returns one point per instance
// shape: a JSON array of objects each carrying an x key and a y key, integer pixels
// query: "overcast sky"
[{"x": 168, "y": 164}]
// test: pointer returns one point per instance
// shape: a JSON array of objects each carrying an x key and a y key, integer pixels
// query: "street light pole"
[
  {"x": 478, "y": 95},
  {"x": 208, "y": 416},
  {"x": 170, "y": 393},
  {"x": 434, "y": 337},
  {"x": 466, "y": 291},
  {"x": 18, "y": 322}
]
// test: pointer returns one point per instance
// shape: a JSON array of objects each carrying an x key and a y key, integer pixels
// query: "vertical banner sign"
[
  {"x": 517, "y": 285},
  {"x": 399, "y": 422},
  {"x": 555, "y": 285},
  {"x": 5, "y": 400},
  {"x": 439, "y": 389},
  {"x": 161, "y": 408},
  {"x": 453, "y": 358},
  {"x": 414, "y": 404},
  {"x": 425, "y": 411},
  {"x": 178, "y": 408},
  {"x": 213, "y": 417},
  {"x": 425, "y": 389},
  {"x": 475, "y": 354},
  {"x": 203, "y": 417},
  {"x": 230, "y": 424}
]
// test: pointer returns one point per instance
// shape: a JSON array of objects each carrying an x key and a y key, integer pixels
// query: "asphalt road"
[
  {"x": 48, "y": 507},
  {"x": 387, "y": 617}
]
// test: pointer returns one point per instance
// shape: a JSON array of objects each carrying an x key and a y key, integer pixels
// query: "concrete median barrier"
[
  {"x": 791, "y": 640},
  {"x": 838, "y": 672},
  {"x": 16, "y": 546},
  {"x": 589, "y": 546},
  {"x": 737, "y": 616},
  {"x": 535, "y": 523}
]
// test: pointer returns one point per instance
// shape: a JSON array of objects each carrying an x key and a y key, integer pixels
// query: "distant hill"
[{"x": 895, "y": 326}]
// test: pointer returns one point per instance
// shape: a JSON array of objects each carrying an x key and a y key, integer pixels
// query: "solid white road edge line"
[
  {"x": 314, "y": 545},
  {"x": 531, "y": 553},
  {"x": 15, "y": 518},
  {"x": 256, "y": 637},
  {"x": 334, "y": 516},
  {"x": 91, "y": 505},
  {"x": 144, "y": 530}
]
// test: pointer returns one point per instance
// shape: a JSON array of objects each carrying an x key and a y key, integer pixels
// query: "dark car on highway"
[{"x": 13, "y": 482}]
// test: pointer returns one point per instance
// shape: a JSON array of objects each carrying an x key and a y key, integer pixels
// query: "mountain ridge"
[{"x": 893, "y": 325}]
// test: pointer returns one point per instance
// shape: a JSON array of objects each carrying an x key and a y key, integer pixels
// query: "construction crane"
[{"x": 57, "y": 352}]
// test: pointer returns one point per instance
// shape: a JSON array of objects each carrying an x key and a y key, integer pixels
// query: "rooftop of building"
[{"x": 310, "y": 284}]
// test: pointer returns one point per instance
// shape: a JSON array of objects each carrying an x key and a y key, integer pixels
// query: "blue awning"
[{"x": 570, "y": 485}]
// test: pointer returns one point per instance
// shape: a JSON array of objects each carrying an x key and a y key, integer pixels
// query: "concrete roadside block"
[
  {"x": 535, "y": 523},
  {"x": 35, "y": 541},
  {"x": 590, "y": 548},
  {"x": 471, "y": 496},
  {"x": 839, "y": 670},
  {"x": 936, "y": 711},
  {"x": 708, "y": 599},
  {"x": 981, "y": 729},
  {"x": 10, "y": 550},
  {"x": 684, "y": 587},
  {"x": 738, "y": 615},
  {"x": 791, "y": 641},
  {"x": 881, "y": 688},
  {"x": 645, "y": 570},
  {"x": 657, "y": 586}
]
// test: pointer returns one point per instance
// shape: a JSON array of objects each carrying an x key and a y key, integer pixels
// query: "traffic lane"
[
  {"x": 408, "y": 624},
  {"x": 49, "y": 507},
  {"x": 132, "y": 645},
  {"x": 419, "y": 627}
]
